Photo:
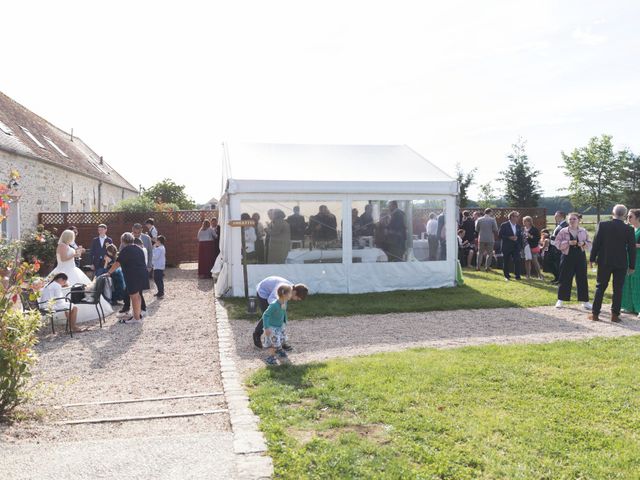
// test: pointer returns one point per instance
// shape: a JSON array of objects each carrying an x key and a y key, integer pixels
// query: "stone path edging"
[{"x": 249, "y": 443}]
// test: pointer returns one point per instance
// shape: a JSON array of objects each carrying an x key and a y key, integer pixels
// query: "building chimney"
[
  {"x": 72, "y": 134},
  {"x": 101, "y": 160}
]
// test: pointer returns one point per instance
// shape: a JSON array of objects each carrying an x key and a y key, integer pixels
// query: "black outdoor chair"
[
  {"x": 94, "y": 296},
  {"x": 46, "y": 311}
]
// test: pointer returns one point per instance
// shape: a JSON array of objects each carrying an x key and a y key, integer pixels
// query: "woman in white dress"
[{"x": 66, "y": 264}]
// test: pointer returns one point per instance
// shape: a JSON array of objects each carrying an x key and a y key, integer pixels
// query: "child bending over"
[{"x": 274, "y": 320}]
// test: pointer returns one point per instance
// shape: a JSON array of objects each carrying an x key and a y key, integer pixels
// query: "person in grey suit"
[
  {"x": 146, "y": 241},
  {"x": 487, "y": 230},
  {"x": 614, "y": 249}
]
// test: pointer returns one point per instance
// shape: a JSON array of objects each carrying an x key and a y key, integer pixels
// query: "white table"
[
  {"x": 421, "y": 250},
  {"x": 304, "y": 255}
]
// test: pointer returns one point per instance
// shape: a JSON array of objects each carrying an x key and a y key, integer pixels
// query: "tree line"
[{"x": 599, "y": 177}]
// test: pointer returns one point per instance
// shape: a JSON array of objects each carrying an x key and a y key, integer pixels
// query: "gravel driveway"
[
  {"x": 330, "y": 337},
  {"x": 174, "y": 352}
]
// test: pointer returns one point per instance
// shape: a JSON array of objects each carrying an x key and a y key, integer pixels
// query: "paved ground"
[
  {"x": 330, "y": 337},
  {"x": 174, "y": 352}
]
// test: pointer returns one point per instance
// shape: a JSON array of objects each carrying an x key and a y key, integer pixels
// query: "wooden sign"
[{"x": 242, "y": 223}]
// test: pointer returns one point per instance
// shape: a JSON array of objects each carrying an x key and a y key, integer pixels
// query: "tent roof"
[{"x": 258, "y": 168}]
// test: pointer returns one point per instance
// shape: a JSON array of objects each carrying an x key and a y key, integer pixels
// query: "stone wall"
[{"x": 47, "y": 188}]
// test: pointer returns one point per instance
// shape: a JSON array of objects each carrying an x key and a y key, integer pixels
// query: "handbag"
[
  {"x": 535, "y": 250},
  {"x": 77, "y": 293}
]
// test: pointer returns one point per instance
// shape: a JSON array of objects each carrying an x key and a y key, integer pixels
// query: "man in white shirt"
[
  {"x": 151, "y": 229},
  {"x": 52, "y": 299},
  {"x": 432, "y": 236},
  {"x": 267, "y": 291}
]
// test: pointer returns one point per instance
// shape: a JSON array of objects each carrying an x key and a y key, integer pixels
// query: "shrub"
[
  {"x": 41, "y": 246},
  {"x": 17, "y": 328},
  {"x": 136, "y": 205}
]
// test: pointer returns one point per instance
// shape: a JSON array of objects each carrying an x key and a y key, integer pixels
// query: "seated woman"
[
  {"x": 118, "y": 292},
  {"x": 53, "y": 299}
]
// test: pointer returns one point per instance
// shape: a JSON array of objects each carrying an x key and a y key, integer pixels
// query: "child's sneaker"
[
  {"x": 271, "y": 360},
  {"x": 284, "y": 358}
]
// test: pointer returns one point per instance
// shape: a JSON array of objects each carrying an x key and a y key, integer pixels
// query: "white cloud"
[{"x": 585, "y": 36}]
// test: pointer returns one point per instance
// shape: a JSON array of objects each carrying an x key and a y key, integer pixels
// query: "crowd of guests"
[
  {"x": 272, "y": 241},
  {"x": 561, "y": 252}
]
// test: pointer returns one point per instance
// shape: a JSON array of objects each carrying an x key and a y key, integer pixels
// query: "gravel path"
[
  {"x": 174, "y": 352},
  {"x": 330, "y": 337}
]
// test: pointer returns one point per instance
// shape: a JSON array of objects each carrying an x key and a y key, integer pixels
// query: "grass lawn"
[
  {"x": 566, "y": 410},
  {"x": 480, "y": 290}
]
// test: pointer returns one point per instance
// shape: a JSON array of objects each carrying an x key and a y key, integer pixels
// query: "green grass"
[
  {"x": 565, "y": 410},
  {"x": 480, "y": 290}
]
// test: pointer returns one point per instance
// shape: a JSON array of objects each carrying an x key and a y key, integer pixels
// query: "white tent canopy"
[{"x": 263, "y": 178}]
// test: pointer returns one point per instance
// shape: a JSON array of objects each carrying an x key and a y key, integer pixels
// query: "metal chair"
[
  {"x": 95, "y": 297},
  {"x": 46, "y": 311}
]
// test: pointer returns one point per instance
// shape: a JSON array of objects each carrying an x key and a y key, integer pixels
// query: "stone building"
[{"x": 58, "y": 172}]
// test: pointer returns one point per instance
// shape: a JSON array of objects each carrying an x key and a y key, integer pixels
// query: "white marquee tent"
[{"x": 344, "y": 254}]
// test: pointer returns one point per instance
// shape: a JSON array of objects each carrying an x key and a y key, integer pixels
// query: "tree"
[
  {"x": 136, "y": 205},
  {"x": 521, "y": 186},
  {"x": 464, "y": 182},
  {"x": 167, "y": 191},
  {"x": 631, "y": 179},
  {"x": 487, "y": 196},
  {"x": 596, "y": 173}
]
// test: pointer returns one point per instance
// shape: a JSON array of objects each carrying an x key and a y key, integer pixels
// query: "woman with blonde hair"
[{"x": 573, "y": 242}]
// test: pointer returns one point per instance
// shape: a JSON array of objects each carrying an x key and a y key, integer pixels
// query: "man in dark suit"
[
  {"x": 99, "y": 249},
  {"x": 442, "y": 239},
  {"x": 614, "y": 249},
  {"x": 510, "y": 234}
]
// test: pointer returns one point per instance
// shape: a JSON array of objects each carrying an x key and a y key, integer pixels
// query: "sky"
[{"x": 156, "y": 87}]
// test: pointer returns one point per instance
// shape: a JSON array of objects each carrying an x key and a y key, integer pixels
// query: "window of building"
[
  {"x": 6, "y": 129},
  {"x": 64, "y": 207},
  {"x": 33, "y": 137},
  {"x": 56, "y": 147}
]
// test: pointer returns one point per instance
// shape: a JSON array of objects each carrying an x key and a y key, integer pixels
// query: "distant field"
[{"x": 588, "y": 221}]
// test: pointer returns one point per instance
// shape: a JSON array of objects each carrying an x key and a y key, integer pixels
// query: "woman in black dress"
[{"x": 136, "y": 277}]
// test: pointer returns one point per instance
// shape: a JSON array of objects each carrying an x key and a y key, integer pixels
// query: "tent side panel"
[
  {"x": 385, "y": 277},
  {"x": 320, "y": 278}
]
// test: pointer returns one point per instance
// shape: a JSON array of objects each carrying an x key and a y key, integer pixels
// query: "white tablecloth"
[
  {"x": 421, "y": 250},
  {"x": 304, "y": 255}
]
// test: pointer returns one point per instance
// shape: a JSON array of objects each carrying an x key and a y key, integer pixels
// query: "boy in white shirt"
[
  {"x": 138, "y": 242},
  {"x": 159, "y": 263},
  {"x": 53, "y": 299}
]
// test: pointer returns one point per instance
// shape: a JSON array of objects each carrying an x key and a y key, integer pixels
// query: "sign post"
[{"x": 242, "y": 224}]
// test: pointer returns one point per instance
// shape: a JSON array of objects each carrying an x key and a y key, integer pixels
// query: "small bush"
[
  {"x": 41, "y": 246},
  {"x": 18, "y": 335},
  {"x": 136, "y": 205},
  {"x": 18, "y": 328}
]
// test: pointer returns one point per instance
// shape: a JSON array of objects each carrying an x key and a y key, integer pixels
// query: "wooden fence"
[
  {"x": 179, "y": 228},
  {"x": 538, "y": 215}
]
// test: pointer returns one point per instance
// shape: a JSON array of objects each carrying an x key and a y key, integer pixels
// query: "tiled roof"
[{"x": 79, "y": 157}]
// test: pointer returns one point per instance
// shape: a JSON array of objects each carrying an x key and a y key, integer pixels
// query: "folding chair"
[{"x": 46, "y": 311}]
